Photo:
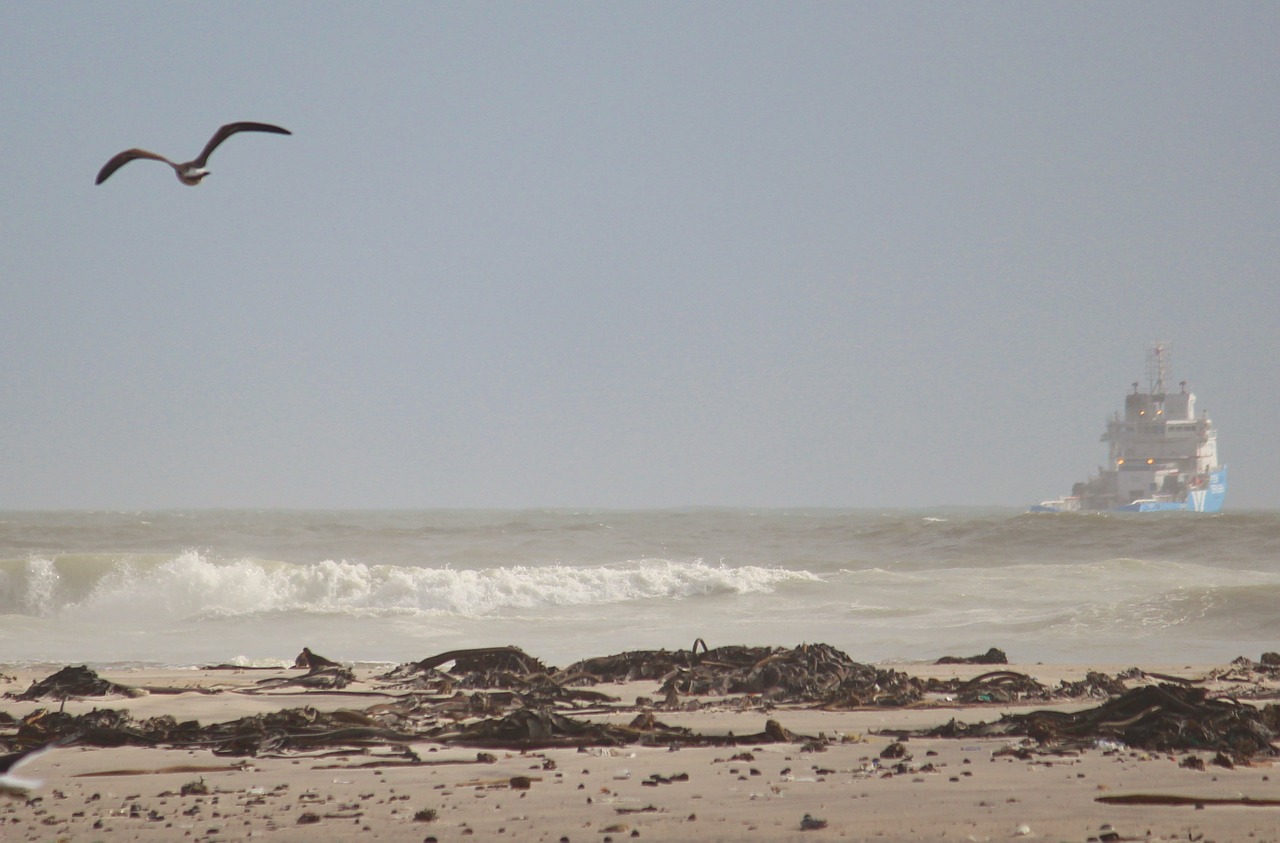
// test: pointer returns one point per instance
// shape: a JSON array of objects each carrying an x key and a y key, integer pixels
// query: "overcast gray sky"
[{"x": 628, "y": 254}]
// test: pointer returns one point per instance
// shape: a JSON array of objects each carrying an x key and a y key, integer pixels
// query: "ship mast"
[{"x": 1157, "y": 370}]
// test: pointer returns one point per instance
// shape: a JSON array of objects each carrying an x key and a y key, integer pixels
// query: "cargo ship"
[{"x": 1163, "y": 455}]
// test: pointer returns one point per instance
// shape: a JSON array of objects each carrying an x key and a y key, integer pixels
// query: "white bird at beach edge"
[
  {"x": 190, "y": 172},
  {"x": 11, "y": 785}
]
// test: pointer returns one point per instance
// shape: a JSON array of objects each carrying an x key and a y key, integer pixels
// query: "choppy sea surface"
[{"x": 177, "y": 588}]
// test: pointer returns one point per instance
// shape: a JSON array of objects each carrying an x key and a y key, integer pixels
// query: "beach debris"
[
  {"x": 526, "y": 679},
  {"x": 999, "y": 686},
  {"x": 1178, "y": 799},
  {"x": 316, "y": 679},
  {"x": 1267, "y": 663},
  {"x": 322, "y": 674},
  {"x": 894, "y": 750},
  {"x": 810, "y": 673},
  {"x": 1252, "y": 680},
  {"x": 529, "y": 729},
  {"x": 331, "y": 677},
  {"x": 500, "y": 698},
  {"x": 1161, "y": 717},
  {"x": 647, "y": 809},
  {"x": 814, "y": 673},
  {"x": 74, "y": 682},
  {"x": 295, "y": 731},
  {"x": 1096, "y": 685},
  {"x": 656, "y": 779},
  {"x": 481, "y": 667},
  {"x": 1108, "y": 834},
  {"x": 287, "y": 731},
  {"x": 633, "y": 666},
  {"x": 1008, "y": 686},
  {"x": 155, "y": 771},
  {"x": 993, "y": 656},
  {"x": 195, "y": 788},
  {"x": 542, "y": 728},
  {"x": 310, "y": 661},
  {"x": 746, "y": 677}
]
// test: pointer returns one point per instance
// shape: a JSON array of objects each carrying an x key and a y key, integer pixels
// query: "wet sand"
[{"x": 940, "y": 789}]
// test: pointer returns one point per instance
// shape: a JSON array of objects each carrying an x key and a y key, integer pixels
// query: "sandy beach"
[{"x": 859, "y": 781}]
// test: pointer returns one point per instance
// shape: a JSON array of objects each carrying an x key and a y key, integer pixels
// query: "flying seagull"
[
  {"x": 192, "y": 171},
  {"x": 11, "y": 785}
]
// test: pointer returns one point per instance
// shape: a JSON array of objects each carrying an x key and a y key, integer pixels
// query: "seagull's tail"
[{"x": 17, "y": 786}]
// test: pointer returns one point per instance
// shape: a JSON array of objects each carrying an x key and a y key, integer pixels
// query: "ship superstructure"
[{"x": 1163, "y": 454}]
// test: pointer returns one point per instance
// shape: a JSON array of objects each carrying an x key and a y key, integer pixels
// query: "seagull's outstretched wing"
[
  {"x": 124, "y": 158},
  {"x": 11, "y": 785},
  {"x": 229, "y": 130}
]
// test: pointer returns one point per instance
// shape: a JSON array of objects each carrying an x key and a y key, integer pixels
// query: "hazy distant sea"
[{"x": 184, "y": 588}]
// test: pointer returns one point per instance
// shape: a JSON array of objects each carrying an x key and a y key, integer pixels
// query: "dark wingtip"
[{"x": 254, "y": 126}]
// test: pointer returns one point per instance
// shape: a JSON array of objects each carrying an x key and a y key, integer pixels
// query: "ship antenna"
[{"x": 1158, "y": 368}]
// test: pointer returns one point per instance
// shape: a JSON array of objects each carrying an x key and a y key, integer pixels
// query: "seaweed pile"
[
  {"x": 501, "y": 697},
  {"x": 810, "y": 673},
  {"x": 1162, "y": 718},
  {"x": 296, "y": 731},
  {"x": 993, "y": 656},
  {"x": 73, "y": 682},
  {"x": 1253, "y": 678},
  {"x": 1009, "y": 686}
]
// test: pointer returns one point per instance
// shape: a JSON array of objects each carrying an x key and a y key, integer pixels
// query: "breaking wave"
[{"x": 191, "y": 585}]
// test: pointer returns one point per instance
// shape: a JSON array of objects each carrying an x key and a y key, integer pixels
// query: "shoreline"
[{"x": 863, "y": 778}]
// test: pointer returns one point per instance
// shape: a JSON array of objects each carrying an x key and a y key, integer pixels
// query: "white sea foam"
[
  {"x": 192, "y": 585},
  {"x": 41, "y": 584},
  {"x": 203, "y": 587}
]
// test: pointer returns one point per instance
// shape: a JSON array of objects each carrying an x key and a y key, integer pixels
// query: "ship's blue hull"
[
  {"x": 1198, "y": 500},
  {"x": 1209, "y": 499}
]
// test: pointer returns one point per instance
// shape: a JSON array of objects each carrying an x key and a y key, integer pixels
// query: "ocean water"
[{"x": 179, "y": 588}]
